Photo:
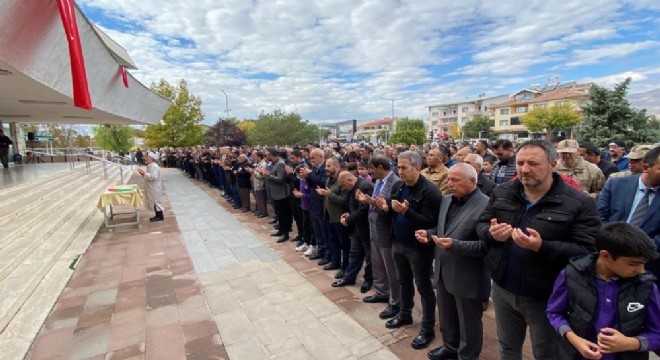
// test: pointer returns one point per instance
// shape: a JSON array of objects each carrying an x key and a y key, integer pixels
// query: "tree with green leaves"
[
  {"x": 116, "y": 138},
  {"x": 551, "y": 119},
  {"x": 478, "y": 127},
  {"x": 409, "y": 132},
  {"x": 225, "y": 133},
  {"x": 280, "y": 128},
  {"x": 181, "y": 125},
  {"x": 609, "y": 116}
]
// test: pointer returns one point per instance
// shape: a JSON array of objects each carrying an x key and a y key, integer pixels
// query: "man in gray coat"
[
  {"x": 386, "y": 285},
  {"x": 462, "y": 280},
  {"x": 279, "y": 192}
]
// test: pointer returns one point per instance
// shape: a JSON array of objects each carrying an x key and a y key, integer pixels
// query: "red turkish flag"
[
  {"x": 81, "y": 96},
  {"x": 124, "y": 76}
]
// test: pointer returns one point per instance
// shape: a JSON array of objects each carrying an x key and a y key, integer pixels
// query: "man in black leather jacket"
[
  {"x": 533, "y": 225},
  {"x": 414, "y": 205}
]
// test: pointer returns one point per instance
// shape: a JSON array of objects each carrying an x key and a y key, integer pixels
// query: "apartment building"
[
  {"x": 507, "y": 115},
  {"x": 447, "y": 119},
  {"x": 375, "y": 130}
]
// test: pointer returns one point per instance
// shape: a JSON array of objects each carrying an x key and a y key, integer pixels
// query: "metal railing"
[{"x": 125, "y": 170}]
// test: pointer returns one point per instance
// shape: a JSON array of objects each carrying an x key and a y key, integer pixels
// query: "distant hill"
[{"x": 649, "y": 100}]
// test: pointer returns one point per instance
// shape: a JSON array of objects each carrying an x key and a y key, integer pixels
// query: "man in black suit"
[
  {"x": 356, "y": 219},
  {"x": 462, "y": 280},
  {"x": 414, "y": 205}
]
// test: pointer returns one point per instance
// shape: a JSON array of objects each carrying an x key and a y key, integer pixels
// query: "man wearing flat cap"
[
  {"x": 153, "y": 186},
  {"x": 588, "y": 175},
  {"x": 635, "y": 161}
]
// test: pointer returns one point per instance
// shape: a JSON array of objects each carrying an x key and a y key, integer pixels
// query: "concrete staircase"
[{"x": 45, "y": 224}]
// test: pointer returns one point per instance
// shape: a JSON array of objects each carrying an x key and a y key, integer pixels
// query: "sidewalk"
[{"x": 199, "y": 285}]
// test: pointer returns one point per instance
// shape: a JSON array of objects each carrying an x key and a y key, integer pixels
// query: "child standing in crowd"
[
  {"x": 363, "y": 171},
  {"x": 604, "y": 305}
]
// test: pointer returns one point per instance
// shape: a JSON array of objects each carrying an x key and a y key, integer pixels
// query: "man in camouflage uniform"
[
  {"x": 436, "y": 171},
  {"x": 588, "y": 175},
  {"x": 635, "y": 157}
]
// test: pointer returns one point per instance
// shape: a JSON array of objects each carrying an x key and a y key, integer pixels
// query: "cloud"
[
  {"x": 325, "y": 57},
  {"x": 613, "y": 51}
]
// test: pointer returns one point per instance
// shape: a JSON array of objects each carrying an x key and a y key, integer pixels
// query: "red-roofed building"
[{"x": 507, "y": 114}]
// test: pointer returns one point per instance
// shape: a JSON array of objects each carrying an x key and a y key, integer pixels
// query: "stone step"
[
  {"x": 10, "y": 192},
  {"x": 44, "y": 215},
  {"x": 21, "y": 331},
  {"x": 28, "y": 197},
  {"x": 23, "y": 275}
]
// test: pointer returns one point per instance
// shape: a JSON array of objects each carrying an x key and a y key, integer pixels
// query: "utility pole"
[{"x": 226, "y": 105}]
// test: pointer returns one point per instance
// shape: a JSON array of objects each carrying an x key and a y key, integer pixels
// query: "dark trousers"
[
  {"x": 234, "y": 195},
  {"x": 244, "y": 195},
  {"x": 415, "y": 267},
  {"x": 514, "y": 314},
  {"x": 306, "y": 235},
  {"x": 320, "y": 232},
  {"x": 261, "y": 201},
  {"x": 283, "y": 211},
  {"x": 460, "y": 323},
  {"x": 4, "y": 157},
  {"x": 296, "y": 211},
  {"x": 340, "y": 245},
  {"x": 360, "y": 251},
  {"x": 220, "y": 177}
]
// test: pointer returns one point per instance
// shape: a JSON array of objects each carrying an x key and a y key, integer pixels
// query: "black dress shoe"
[
  {"x": 276, "y": 226},
  {"x": 316, "y": 257},
  {"x": 372, "y": 299},
  {"x": 283, "y": 238},
  {"x": 274, "y": 221},
  {"x": 366, "y": 286},
  {"x": 422, "y": 340},
  {"x": 324, "y": 262},
  {"x": 277, "y": 234},
  {"x": 398, "y": 322},
  {"x": 442, "y": 353},
  {"x": 330, "y": 266},
  {"x": 339, "y": 274},
  {"x": 341, "y": 283},
  {"x": 389, "y": 312}
]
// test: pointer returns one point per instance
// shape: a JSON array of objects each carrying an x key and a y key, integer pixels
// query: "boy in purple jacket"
[{"x": 605, "y": 305}]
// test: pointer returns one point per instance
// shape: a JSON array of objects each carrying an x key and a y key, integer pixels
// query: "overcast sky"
[{"x": 333, "y": 60}]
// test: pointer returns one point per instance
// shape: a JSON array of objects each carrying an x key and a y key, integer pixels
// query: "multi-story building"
[
  {"x": 376, "y": 130},
  {"x": 507, "y": 114},
  {"x": 447, "y": 119}
]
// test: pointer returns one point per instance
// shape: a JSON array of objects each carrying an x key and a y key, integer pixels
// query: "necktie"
[
  {"x": 379, "y": 187},
  {"x": 642, "y": 207}
]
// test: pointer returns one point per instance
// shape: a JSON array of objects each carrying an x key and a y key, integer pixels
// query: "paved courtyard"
[{"x": 209, "y": 283}]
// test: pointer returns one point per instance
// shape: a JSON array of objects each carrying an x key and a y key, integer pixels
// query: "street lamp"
[
  {"x": 348, "y": 114},
  {"x": 226, "y": 105},
  {"x": 392, "y": 100}
]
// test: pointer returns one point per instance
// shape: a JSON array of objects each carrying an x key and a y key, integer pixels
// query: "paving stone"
[
  {"x": 88, "y": 342},
  {"x": 234, "y": 327},
  {"x": 345, "y": 329},
  {"x": 250, "y": 349},
  {"x": 165, "y": 342},
  {"x": 298, "y": 353},
  {"x": 199, "y": 330},
  {"x": 271, "y": 329},
  {"x": 220, "y": 299}
]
